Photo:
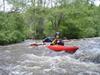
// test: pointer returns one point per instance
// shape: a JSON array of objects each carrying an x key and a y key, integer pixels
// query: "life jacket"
[
  {"x": 57, "y": 42},
  {"x": 60, "y": 42}
]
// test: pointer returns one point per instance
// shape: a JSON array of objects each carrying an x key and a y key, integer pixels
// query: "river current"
[{"x": 22, "y": 59}]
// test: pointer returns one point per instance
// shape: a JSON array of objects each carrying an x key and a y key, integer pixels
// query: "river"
[{"x": 21, "y": 59}]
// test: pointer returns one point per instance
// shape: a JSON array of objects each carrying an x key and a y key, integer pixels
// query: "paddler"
[{"x": 57, "y": 40}]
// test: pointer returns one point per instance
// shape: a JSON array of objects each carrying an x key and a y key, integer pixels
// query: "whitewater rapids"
[{"x": 21, "y": 59}]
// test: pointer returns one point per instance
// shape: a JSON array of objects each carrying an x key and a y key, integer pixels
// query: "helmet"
[{"x": 57, "y": 33}]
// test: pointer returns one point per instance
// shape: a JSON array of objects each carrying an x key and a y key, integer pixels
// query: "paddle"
[{"x": 34, "y": 44}]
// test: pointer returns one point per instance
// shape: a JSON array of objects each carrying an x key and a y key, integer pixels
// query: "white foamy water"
[{"x": 20, "y": 59}]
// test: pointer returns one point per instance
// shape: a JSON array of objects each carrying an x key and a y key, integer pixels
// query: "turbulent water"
[{"x": 21, "y": 59}]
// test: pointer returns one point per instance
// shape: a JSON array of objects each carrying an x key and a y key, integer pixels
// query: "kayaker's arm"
[{"x": 54, "y": 42}]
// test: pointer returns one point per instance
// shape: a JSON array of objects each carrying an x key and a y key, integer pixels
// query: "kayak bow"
[{"x": 69, "y": 49}]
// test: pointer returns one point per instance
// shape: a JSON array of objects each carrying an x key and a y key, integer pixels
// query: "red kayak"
[{"x": 70, "y": 49}]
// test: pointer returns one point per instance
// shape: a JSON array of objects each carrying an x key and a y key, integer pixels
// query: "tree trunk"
[{"x": 4, "y": 5}]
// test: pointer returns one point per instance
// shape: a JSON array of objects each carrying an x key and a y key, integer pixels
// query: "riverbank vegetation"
[{"x": 40, "y": 18}]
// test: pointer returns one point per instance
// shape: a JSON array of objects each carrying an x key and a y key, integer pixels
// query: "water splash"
[{"x": 19, "y": 59}]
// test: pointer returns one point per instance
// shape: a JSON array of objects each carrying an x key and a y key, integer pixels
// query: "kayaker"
[
  {"x": 57, "y": 40},
  {"x": 47, "y": 39}
]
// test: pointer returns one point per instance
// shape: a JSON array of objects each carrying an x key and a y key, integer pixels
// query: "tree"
[{"x": 3, "y": 5}]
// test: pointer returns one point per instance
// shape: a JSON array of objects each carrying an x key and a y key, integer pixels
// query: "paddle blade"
[{"x": 34, "y": 44}]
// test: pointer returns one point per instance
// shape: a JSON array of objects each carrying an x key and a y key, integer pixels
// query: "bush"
[
  {"x": 88, "y": 32},
  {"x": 12, "y": 29}
]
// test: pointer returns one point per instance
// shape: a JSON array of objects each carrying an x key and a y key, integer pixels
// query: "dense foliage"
[
  {"x": 12, "y": 28},
  {"x": 76, "y": 19},
  {"x": 73, "y": 18}
]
